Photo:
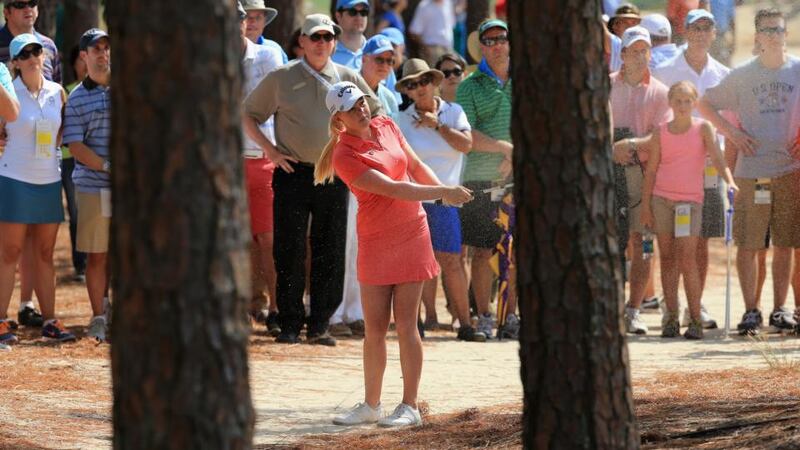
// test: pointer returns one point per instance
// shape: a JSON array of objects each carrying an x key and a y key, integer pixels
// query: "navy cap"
[{"x": 90, "y": 38}]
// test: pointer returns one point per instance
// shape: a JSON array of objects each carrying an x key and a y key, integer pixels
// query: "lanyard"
[{"x": 316, "y": 75}]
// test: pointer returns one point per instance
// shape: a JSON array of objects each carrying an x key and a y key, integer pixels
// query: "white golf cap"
[
  {"x": 657, "y": 25},
  {"x": 635, "y": 34},
  {"x": 342, "y": 96}
]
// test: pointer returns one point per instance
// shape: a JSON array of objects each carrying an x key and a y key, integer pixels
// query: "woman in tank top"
[{"x": 672, "y": 199}]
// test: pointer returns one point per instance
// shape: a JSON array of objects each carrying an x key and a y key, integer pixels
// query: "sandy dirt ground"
[{"x": 63, "y": 392}]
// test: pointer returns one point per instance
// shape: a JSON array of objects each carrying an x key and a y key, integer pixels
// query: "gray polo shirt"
[
  {"x": 297, "y": 99},
  {"x": 768, "y": 104}
]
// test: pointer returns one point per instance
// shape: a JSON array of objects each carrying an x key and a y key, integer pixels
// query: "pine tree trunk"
[
  {"x": 577, "y": 390},
  {"x": 79, "y": 16},
  {"x": 477, "y": 12},
  {"x": 46, "y": 22},
  {"x": 179, "y": 247},
  {"x": 290, "y": 18}
]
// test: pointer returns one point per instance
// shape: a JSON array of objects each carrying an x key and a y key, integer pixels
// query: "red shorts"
[{"x": 258, "y": 178}]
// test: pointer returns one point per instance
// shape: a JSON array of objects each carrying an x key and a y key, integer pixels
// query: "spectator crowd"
[{"x": 371, "y": 173}]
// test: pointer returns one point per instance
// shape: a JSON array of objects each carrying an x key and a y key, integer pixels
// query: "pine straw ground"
[{"x": 743, "y": 409}]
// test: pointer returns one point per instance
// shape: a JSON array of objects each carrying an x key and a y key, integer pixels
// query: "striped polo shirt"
[
  {"x": 87, "y": 119},
  {"x": 52, "y": 62},
  {"x": 487, "y": 105}
]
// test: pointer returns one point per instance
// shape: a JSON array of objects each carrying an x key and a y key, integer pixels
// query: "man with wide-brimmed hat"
[
  {"x": 295, "y": 95},
  {"x": 625, "y": 16},
  {"x": 258, "y": 16}
]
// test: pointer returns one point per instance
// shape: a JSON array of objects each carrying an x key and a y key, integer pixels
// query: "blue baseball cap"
[
  {"x": 347, "y": 4},
  {"x": 395, "y": 35},
  {"x": 489, "y": 24},
  {"x": 697, "y": 14},
  {"x": 19, "y": 42},
  {"x": 378, "y": 44}
]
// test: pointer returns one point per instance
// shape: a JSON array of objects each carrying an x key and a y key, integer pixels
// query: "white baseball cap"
[
  {"x": 635, "y": 34},
  {"x": 657, "y": 25},
  {"x": 342, "y": 96}
]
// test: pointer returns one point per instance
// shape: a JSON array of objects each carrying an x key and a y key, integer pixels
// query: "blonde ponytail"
[{"x": 323, "y": 169}]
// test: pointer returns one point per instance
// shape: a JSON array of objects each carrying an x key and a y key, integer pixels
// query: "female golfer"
[
  {"x": 395, "y": 256},
  {"x": 672, "y": 199}
]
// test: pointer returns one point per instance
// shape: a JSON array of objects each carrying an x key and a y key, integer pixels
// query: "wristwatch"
[
  {"x": 106, "y": 166},
  {"x": 438, "y": 125}
]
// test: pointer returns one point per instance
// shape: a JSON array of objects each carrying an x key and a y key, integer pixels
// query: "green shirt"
[{"x": 488, "y": 108}]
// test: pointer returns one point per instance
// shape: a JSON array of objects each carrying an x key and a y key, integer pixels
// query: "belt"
[{"x": 254, "y": 154}]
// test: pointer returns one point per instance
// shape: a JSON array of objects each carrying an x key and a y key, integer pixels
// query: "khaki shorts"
[
  {"x": 779, "y": 219},
  {"x": 634, "y": 178},
  {"x": 664, "y": 216},
  {"x": 93, "y": 228}
]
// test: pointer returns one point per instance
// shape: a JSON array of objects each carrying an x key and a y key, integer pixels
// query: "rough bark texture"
[
  {"x": 477, "y": 12},
  {"x": 572, "y": 349},
  {"x": 290, "y": 18},
  {"x": 79, "y": 16},
  {"x": 46, "y": 22},
  {"x": 179, "y": 234}
]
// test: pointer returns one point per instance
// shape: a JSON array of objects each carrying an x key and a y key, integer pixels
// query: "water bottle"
[{"x": 647, "y": 245}]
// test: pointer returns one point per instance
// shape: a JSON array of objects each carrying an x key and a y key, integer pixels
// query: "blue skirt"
[{"x": 28, "y": 203}]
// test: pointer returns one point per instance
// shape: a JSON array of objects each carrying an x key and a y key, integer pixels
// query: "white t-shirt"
[
  {"x": 434, "y": 21},
  {"x": 258, "y": 61},
  {"x": 678, "y": 69},
  {"x": 445, "y": 161},
  {"x": 19, "y": 160}
]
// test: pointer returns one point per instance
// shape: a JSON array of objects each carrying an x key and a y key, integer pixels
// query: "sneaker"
[
  {"x": 321, "y": 339},
  {"x": 695, "y": 330},
  {"x": 107, "y": 310},
  {"x": 782, "y": 319},
  {"x": 7, "y": 336},
  {"x": 670, "y": 326},
  {"x": 30, "y": 317},
  {"x": 797, "y": 319},
  {"x": 650, "y": 303},
  {"x": 273, "y": 328},
  {"x": 5, "y": 348},
  {"x": 402, "y": 416},
  {"x": 340, "y": 330},
  {"x": 287, "y": 338},
  {"x": 97, "y": 328},
  {"x": 751, "y": 322},
  {"x": 360, "y": 414},
  {"x": 485, "y": 325},
  {"x": 705, "y": 318},
  {"x": 469, "y": 334},
  {"x": 357, "y": 327},
  {"x": 509, "y": 330},
  {"x": 79, "y": 277},
  {"x": 54, "y": 330},
  {"x": 633, "y": 323}
]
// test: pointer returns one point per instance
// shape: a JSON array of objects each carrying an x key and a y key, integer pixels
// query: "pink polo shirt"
[{"x": 640, "y": 108}]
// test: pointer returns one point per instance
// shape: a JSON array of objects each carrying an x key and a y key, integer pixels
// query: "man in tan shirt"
[{"x": 295, "y": 95}]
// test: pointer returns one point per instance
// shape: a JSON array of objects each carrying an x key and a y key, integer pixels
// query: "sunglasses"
[
  {"x": 423, "y": 81},
  {"x": 455, "y": 72},
  {"x": 772, "y": 30},
  {"x": 316, "y": 37},
  {"x": 23, "y": 5},
  {"x": 25, "y": 54},
  {"x": 701, "y": 28},
  {"x": 491, "y": 42},
  {"x": 384, "y": 61},
  {"x": 352, "y": 12}
]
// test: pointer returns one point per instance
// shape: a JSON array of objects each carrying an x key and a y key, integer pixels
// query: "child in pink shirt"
[{"x": 672, "y": 199}]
